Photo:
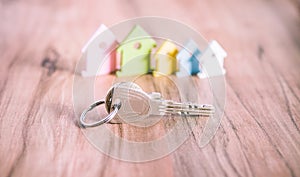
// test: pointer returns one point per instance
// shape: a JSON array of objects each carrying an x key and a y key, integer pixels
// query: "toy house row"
[{"x": 104, "y": 55}]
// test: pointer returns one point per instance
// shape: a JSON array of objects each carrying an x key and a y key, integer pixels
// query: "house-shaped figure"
[
  {"x": 188, "y": 59},
  {"x": 165, "y": 59},
  {"x": 99, "y": 53},
  {"x": 212, "y": 61},
  {"x": 134, "y": 53}
]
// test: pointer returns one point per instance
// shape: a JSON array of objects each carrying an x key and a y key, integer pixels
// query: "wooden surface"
[{"x": 40, "y": 43}]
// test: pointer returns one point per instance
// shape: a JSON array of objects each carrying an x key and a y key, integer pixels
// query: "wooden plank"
[{"x": 40, "y": 45}]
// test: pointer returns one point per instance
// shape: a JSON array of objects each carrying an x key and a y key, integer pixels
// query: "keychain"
[{"x": 130, "y": 103}]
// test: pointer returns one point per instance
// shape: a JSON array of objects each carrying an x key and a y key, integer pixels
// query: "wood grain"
[{"x": 40, "y": 46}]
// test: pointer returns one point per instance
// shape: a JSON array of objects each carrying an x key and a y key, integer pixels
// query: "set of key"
[
  {"x": 127, "y": 102},
  {"x": 136, "y": 104}
]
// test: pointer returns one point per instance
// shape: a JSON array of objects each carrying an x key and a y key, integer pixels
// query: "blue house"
[{"x": 187, "y": 59}]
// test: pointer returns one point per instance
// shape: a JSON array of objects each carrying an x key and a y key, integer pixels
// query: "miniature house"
[
  {"x": 188, "y": 59},
  {"x": 134, "y": 53},
  {"x": 165, "y": 59},
  {"x": 212, "y": 61},
  {"x": 99, "y": 53}
]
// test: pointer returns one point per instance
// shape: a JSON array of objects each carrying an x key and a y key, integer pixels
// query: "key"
[{"x": 137, "y": 104}]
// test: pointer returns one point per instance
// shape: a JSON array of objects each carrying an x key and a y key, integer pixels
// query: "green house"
[{"x": 134, "y": 53}]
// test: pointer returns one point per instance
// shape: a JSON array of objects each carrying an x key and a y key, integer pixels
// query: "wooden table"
[{"x": 40, "y": 46}]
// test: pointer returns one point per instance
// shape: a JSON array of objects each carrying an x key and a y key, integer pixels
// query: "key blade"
[
  {"x": 172, "y": 104},
  {"x": 189, "y": 109},
  {"x": 189, "y": 114},
  {"x": 168, "y": 107}
]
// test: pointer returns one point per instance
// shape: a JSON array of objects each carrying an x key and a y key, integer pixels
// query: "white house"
[
  {"x": 212, "y": 60},
  {"x": 99, "y": 53}
]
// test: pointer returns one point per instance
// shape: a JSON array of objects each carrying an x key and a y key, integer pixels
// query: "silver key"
[{"x": 137, "y": 104}]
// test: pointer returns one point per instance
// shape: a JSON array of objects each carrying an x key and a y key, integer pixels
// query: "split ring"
[{"x": 115, "y": 108}]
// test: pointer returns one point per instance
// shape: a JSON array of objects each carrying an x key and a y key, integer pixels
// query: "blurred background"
[{"x": 40, "y": 44}]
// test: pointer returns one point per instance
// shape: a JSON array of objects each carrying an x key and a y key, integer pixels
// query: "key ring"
[{"x": 110, "y": 116}]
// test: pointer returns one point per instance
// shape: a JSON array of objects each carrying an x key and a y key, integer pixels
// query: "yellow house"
[{"x": 165, "y": 59}]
